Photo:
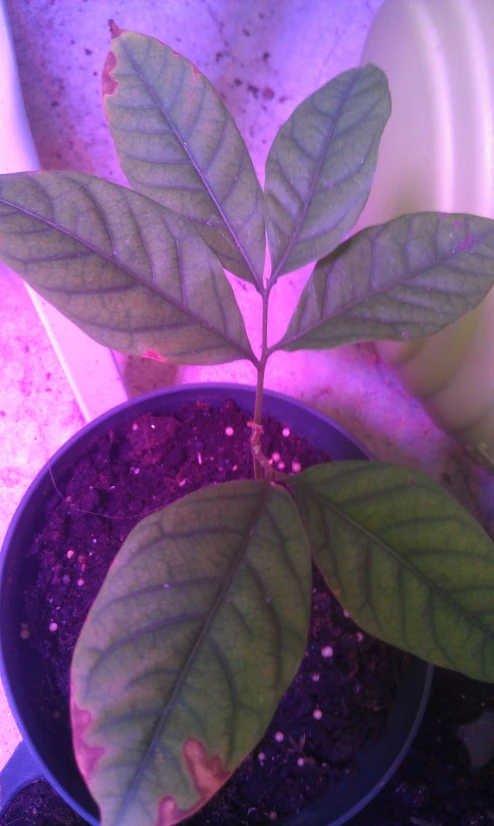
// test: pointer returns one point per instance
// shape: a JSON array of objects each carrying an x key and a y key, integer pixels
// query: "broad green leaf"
[
  {"x": 405, "y": 559},
  {"x": 195, "y": 635},
  {"x": 321, "y": 165},
  {"x": 401, "y": 280},
  {"x": 133, "y": 275},
  {"x": 178, "y": 144}
]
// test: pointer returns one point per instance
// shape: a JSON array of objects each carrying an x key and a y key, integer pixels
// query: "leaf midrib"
[
  {"x": 183, "y": 144},
  {"x": 313, "y": 182},
  {"x": 217, "y": 604},
  {"x": 124, "y": 268},
  {"x": 313, "y": 493},
  {"x": 390, "y": 285}
]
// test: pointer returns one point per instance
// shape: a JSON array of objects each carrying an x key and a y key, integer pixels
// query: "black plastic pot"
[{"x": 39, "y": 756}]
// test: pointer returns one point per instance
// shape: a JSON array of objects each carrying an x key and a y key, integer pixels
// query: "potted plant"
[
  {"x": 143, "y": 272},
  {"x": 38, "y": 591}
]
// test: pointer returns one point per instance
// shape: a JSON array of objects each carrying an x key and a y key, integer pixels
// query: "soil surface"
[{"x": 335, "y": 702}]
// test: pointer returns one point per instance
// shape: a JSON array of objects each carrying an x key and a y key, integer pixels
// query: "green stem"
[
  {"x": 259, "y": 392},
  {"x": 261, "y": 368}
]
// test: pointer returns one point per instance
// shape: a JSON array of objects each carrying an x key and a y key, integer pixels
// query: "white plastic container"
[
  {"x": 437, "y": 153},
  {"x": 91, "y": 369}
]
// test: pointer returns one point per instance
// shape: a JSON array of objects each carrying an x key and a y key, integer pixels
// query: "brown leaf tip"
[
  {"x": 208, "y": 775},
  {"x": 115, "y": 30}
]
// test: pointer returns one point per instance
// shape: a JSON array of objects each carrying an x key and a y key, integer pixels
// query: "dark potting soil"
[
  {"x": 335, "y": 703},
  {"x": 39, "y": 805}
]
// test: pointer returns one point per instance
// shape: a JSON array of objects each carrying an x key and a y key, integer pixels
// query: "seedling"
[{"x": 202, "y": 620}]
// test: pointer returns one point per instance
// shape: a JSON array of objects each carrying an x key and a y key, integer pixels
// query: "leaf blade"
[
  {"x": 132, "y": 274},
  {"x": 408, "y": 563},
  {"x": 177, "y": 143},
  {"x": 205, "y": 661},
  {"x": 398, "y": 281},
  {"x": 321, "y": 165}
]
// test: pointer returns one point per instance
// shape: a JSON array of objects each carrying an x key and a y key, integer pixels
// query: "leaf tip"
[
  {"x": 87, "y": 756},
  {"x": 108, "y": 83},
  {"x": 115, "y": 30}
]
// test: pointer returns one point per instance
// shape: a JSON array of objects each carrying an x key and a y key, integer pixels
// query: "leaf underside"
[
  {"x": 178, "y": 144},
  {"x": 321, "y": 165},
  {"x": 133, "y": 275},
  {"x": 402, "y": 280},
  {"x": 196, "y": 633},
  {"x": 408, "y": 562}
]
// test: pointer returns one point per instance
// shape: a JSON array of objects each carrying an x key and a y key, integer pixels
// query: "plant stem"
[
  {"x": 259, "y": 392},
  {"x": 261, "y": 368}
]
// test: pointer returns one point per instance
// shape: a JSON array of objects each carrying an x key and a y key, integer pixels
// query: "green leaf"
[
  {"x": 321, "y": 165},
  {"x": 178, "y": 144},
  {"x": 402, "y": 280},
  {"x": 132, "y": 274},
  {"x": 195, "y": 635},
  {"x": 408, "y": 562}
]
